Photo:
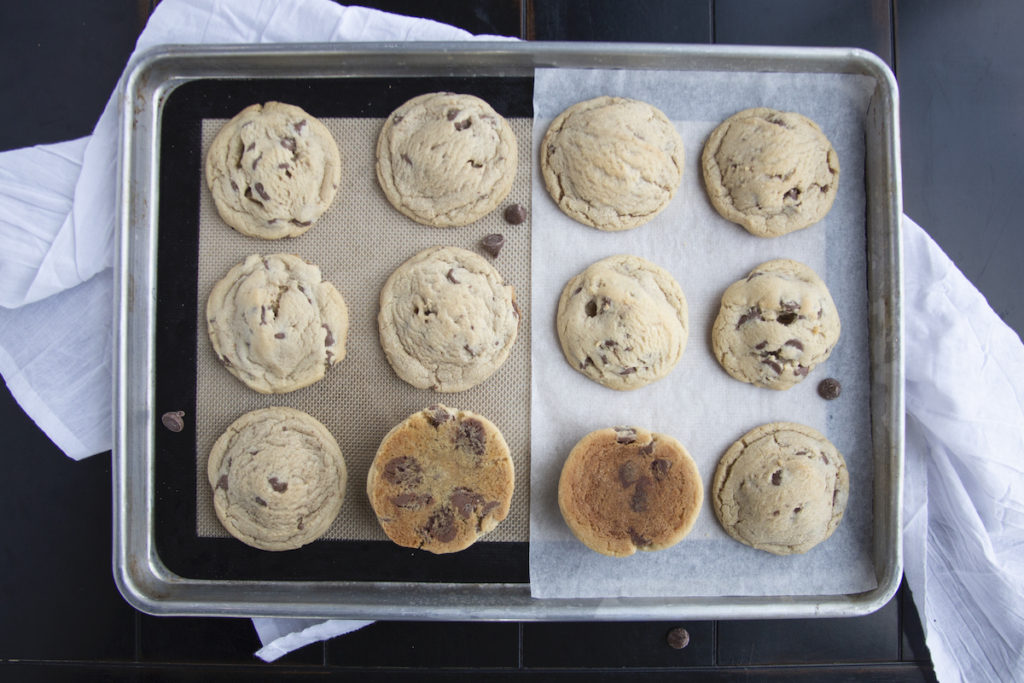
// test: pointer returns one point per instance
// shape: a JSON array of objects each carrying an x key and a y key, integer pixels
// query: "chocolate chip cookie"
[
  {"x": 624, "y": 489},
  {"x": 623, "y": 322},
  {"x": 612, "y": 163},
  {"x": 447, "y": 320},
  {"x": 445, "y": 159},
  {"x": 276, "y": 324},
  {"x": 772, "y": 172},
  {"x": 781, "y": 488},
  {"x": 775, "y": 325},
  {"x": 273, "y": 170},
  {"x": 441, "y": 479},
  {"x": 278, "y": 478}
]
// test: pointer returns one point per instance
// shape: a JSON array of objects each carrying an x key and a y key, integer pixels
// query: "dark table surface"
[{"x": 61, "y": 617}]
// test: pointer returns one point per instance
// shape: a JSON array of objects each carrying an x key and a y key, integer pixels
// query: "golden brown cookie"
[
  {"x": 441, "y": 479},
  {"x": 624, "y": 489},
  {"x": 781, "y": 488}
]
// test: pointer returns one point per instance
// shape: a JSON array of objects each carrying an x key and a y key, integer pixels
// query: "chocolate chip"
[
  {"x": 640, "y": 502},
  {"x": 678, "y": 638},
  {"x": 301, "y": 224},
  {"x": 777, "y": 478},
  {"x": 801, "y": 371},
  {"x": 793, "y": 194},
  {"x": 660, "y": 468},
  {"x": 412, "y": 501},
  {"x": 298, "y": 126},
  {"x": 609, "y": 343},
  {"x": 222, "y": 483},
  {"x": 260, "y": 191},
  {"x": 628, "y": 474},
  {"x": 639, "y": 540},
  {"x": 288, "y": 144},
  {"x": 753, "y": 312},
  {"x": 493, "y": 243},
  {"x": 278, "y": 485},
  {"x": 590, "y": 309},
  {"x": 406, "y": 159},
  {"x": 795, "y": 343},
  {"x": 761, "y": 345},
  {"x": 515, "y": 214},
  {"x": 773, "y": 365},
  {"x": 403, "y": 470},
  {"x": 451, "y": 114},
  {"x": 470, "y": 436},
  {"x": 625, "y": 435},
  {"x": 436, "y": 415},
  {"x": 263, "y": 315},
  {"x": 451, "y": 277},
  {"x": 647, "y": 449},
  {"x": 173, "y": 420},
  {"x": 463, "y": 125},
  {"x": 796, "y": 510},
  {"x": 260, "y": 501},
  {"x": 829, "y": 388},
  {"x": 256, "y": 161},
  {"x": 279, "y": 335},
  {"x": 328, "y": 338},
  {"x": 441, "y": 525},
  {"x": 475, "y": 164},
  {"x": 628, "y": 371},
  {"x": 465, "y": 500},
  {"x": 787, "y": 319}
]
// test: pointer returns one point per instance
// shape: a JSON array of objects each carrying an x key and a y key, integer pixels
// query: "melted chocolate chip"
[
  {"x": 470, "y": 436},
  {"x": 463, "y": 125},
  {"x": 437, "y": 415},
  {"x": 639, "y": 540},
  {"x": 640, "y": 502},
  {"x": 279, "y": 335},
  {"x": 628, "y": 371},
  {"x": 493, "y": 243},
  {"x": 451, "y": 277},
  {"x": 222, "y": 483},
  {"x": 260, "y": 501},
  {"x": 761, "y": 345},
  {"x": 412, "y": 501},
  {"x": 753, "y": 312},
  {"x": 173, "y": 420},
  {"x": 289, "y": 144},
  {"x": 515, "y": 214},
  {"x": 298, "y": 126},
  {"x": 590, "y": 309},
  {"x": 260, "y": 191},
  {"x": 628, "y": 474},
  {"x": 777, "y": 478},
  {"x": 403, "y": 470},
  {"x": 648, "y": 448},
  {"x": 773, "y": 365},
  {"x": 660, "y": 468},
  {"x": 787, "y": 319},
  {"x": 441, "y": 526},
  {"x": 625, "y": 435},
  {"x": 795, "y": 343},
  {"x": 301, "y": 224},
  {"x": 328, "y": 338},
  {"x": 801, "y": 371},
  {"x": 465, "y": 500},
  {"x": 829, "y": 388},
  {"x": 793, "y": 194},
  {"x": 278, "y": 485},
  {"x": 451, "y": 114}
]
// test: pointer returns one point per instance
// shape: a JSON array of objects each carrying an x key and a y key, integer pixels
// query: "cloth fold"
[{"x": 964, "y": 494}]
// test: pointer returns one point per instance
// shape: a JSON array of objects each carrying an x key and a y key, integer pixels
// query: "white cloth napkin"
[{"x": 964, "y": 496}]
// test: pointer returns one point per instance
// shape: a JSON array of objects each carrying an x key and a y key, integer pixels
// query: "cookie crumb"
[
  {"x": 829, "y": 388},
  {"x": 678, "y": 638},
  {"x": 173, "y": 420},
  {"x": 493, "y": 243},
  {"x": 515, "y": 214}
]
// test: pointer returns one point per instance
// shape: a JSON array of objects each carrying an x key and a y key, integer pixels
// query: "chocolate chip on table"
[
  {"x": 493, "y": 243},
  {"x": 515, "y": 214},
  {"x": 173, "y": 420},
  {"x": 678, "y": 638},
  {"x": 829, "y": 388}
]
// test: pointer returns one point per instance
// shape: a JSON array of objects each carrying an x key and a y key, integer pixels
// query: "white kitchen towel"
[{"x": 964, "y": 495}]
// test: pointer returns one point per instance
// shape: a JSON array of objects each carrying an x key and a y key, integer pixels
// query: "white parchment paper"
[{"x": 698, "y": 403}]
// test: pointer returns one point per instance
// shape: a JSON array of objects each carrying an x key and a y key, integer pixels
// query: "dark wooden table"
[{"x": 61, "y": 617}]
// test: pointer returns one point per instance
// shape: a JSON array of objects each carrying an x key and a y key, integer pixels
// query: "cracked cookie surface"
[
  {"x": 781, "y": 488},
  {"x": 278, "y": 478},
  {"x": 775, "y": 325},
  {"x": 441, "y": 479},
  {"x": 447, "y": 320},
  {"x": 612, "y": 163},
  {"x": 276, "y": 324},
  {"x": 772, "y": 172},
  {"x": 623, "y": 322},
  {"x": 624, "y": 489},
  {"x": 445, "y": 159},
  {"x": 273, "y": 170}
]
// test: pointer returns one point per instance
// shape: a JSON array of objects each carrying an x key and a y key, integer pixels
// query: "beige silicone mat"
[{"x": 357, "y": 243}]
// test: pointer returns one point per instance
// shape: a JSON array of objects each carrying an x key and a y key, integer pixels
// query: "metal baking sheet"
[{"x": 140, "y": 570}]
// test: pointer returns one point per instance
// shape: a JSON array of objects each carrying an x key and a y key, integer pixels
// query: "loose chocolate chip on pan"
[
  {"x": 515, "y": 214},
  {"x": 829, "y": 388},
  {"x": 678, "y": 638},
  {"x": 493, "y": 243},
  {"x": 173, "y": 420}
]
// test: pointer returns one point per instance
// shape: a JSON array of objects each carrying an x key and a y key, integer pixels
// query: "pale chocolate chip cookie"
[
  {"x": 623, "y": 322},
  {"x": 278, "y": 478},
  {"x": 273, "y": 170},
  {"x": 447, "y": 320},
  {"x": 772, "y": 172},
  {"x": 445, "y": 159},
  {"x": 775, "y": 325},
  {"x": 612, "y": 163},
  {"x": 276, "y": 324},
  {"x": 781, "y": 488},
  {"x": 441, "y": 479},
  {"x": 624, "y": 489}
]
